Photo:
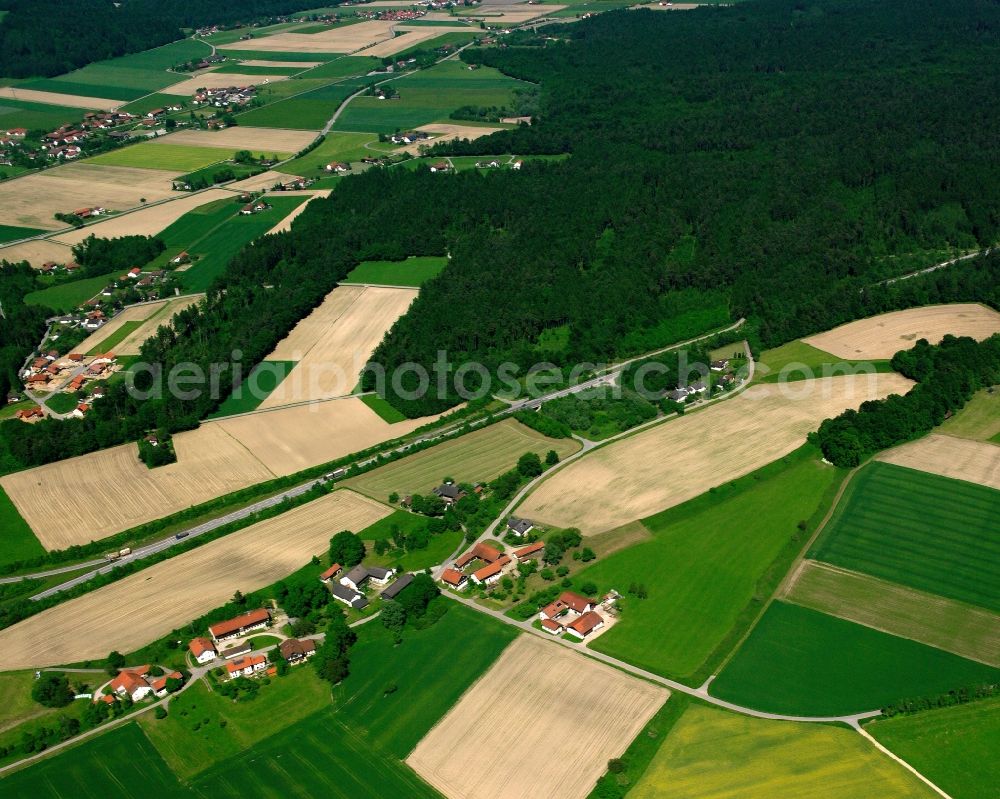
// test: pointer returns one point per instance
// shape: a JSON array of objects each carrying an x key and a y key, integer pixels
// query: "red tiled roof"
[
  {"x": 482, "y": 551},
  {"x": 586, "y": 623},
  {"x": 452, "y": 577},
  {"x": 199, "y": 646},
  {"x": 529, "y": 550},
  {"x": 224, "y": 628},
  {"x": 492, "y": 569},
  {"x": 567, "y": 601},
  {"x": 554, "y": 626},
  {"x": 129, "y": 681},
  {"x": 245, "y": 662},
  {"x": 336, "y": 567}
]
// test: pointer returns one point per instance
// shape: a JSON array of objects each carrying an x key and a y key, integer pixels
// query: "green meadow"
[
  {"x": 309, "y": 110},
  {"x": 954, "y": 747},
  {"x": 13, "y": 233},
  {"x": 154, "y": 155},
  {"x": 116, "y": 338},
  {"x": 22, "y": 114},
  {"x": 707, "y": 573},
  {"x": 918, "y": 529},
  {"x": 336, "y": 146},
  {"x": 66, "y": 296},
  {"x": 413, "y": 271},
  {"x": 429, "y": 96},
  {"x": 17, "y": 541},
  {"x": 805, "y": 663},
  {"x": 386, "y": 411},
  {"x": 255, "y": 388},
  {"x": 344, "y": 67}
]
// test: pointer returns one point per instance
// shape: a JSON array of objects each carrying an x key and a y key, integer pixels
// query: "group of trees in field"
[
  {"x": 947, "y": 376},
  {"x": 46, "y": 37}
]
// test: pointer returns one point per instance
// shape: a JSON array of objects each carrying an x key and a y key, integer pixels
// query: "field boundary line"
[
  {"x": 244, "y": 446},
  {"x": 892, "y": 756}
]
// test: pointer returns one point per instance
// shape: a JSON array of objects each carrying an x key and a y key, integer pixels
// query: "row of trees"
[{"x": 947, "y": 376}]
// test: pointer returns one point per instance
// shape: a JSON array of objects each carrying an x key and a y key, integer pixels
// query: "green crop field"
[
  {"x": 954, "y": 747},
  {"x": 479, "y": 456},
  {"x": 255, "y": 388},
  {"x": 66, "y": 296},
  {"x": 218, "y": 247},
  {"x": 153, "y": 155},
  {"x": 383, "y": 408},
  {"x": 711, "y": 752},
  {"x": 918, "y": 529},
  {"x": 429, "y": 96},
  {"x": 185, "y": 232},
  {"x": 116, "y": 338},
  {"x": 18, "y": 541},
  {"x": 13, "y": 233},
  {"x": 120, "y": 763},
  {"x": 344, "y": 67},
  {"x": 242, "y": 69},
  {"x": 190, "y": 745},
  {"x": 335, "y": 147},
  {"x": 454, "y": 38},
  {"x": 156, "y": 100},
  {"x": 413, "y": 271},
  {"x": 805, "y": 361},
  {"x": 701, "y": 569},
  {"x": 21, "y": 114},
  {"x": 803, "y": 662},
  {"x": 251, "y": 55},
  {"x": 321, "y": 756},
  {"x": 107, "y": 91},
  {"x": 307, "y": 111},
  {"x": 431, "y": 669},
  {"x": 978, "y": 420}
]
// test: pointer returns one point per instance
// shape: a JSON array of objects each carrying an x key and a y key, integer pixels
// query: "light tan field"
[
  {"x": 134, "y": 313},
  {"x": 943, "y": 623},
  {"x": 335, "y": 341},
  {"x": 287, "y": 440},
  {"x": 682, "y": 458},
  {"x": 220, "y": 80},
  {"x": 513, "y": 14},
  {"x": 33, "y": 200},
  {"x": 266, "y": 140},
  {"x": 286, "y": 224},
  {"x": 37, "y": 252},
  {"x": 345, "y": 39},
  {"x": 131, "y": 343},
  {"x": 146, "y": 221},
  {"x": 959, "y": 458},
  {"x": 254, "y": 62},
  {"x": 57, "y": 98},
  {"x": 978, "y": 420},
  {"x": 112, "y": 490},
  {"x": 562, "y": 717},
  {"x": 140, "y": 608},
  {"x": 443, "y": 132},
  {"x": 406, "y": 37},
  {"x": 263, "y": 181},
  {"x": 882, "y": 336}
]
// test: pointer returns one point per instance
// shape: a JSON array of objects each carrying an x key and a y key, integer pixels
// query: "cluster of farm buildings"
[{"x": 720, "y": 379}]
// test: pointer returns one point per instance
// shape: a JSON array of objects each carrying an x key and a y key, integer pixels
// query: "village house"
[
  {"x": 519, "y": 527},
  {"x": 393, "y": 590},
  {"x": 132, "y": 683},
  {"x": 237, "y": 650},
  {"x": 490, "y": 574},
  {"x": 480, "y": 551},
  {"x": 241, "y": 625},
  {"x": 585, "y": 624},
  {"x": 80, "y": 411},
  {"x": 360, "y": 575},
  {"x": 449, "y": 493},
  {"x": 331, "y": 573},
  {"x": 254, "y": 208},
  {"x": 528, "y": 552},
  {"x": 349, "y": 596},
  {"x": 338, "y": 167},
  {"x": 247, "y": 666},
  {"x": 203, "y": 650},
  {"x": 159, "y": 684},
  {"x": 566, "y": 607},
  {"x": 30, "y": 414},
  {"x": 295, "y": 651},
  {"x": 440, "y": 166},
  {"x": 454, "y": 578}
]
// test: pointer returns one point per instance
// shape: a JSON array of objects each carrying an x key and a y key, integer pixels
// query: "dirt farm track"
[
  {"x": 682, "y": 458},
  {"x": 563, "y": 716},
  {"x": 142, "y": 607}
]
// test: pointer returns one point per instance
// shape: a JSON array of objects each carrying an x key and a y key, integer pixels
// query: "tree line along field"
[
  {"x": 803, "y": 662},
  {"x": 429, "y": 96},
  {"x": 713, "y": 753},
  {"x": 479, "y": 456},
  {"x": 920, "y": 530},
  {"x": 701, "y": 568},
  {"x": 954, "y": 747}
]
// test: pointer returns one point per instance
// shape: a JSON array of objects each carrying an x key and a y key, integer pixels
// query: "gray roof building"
[{"x": 393, "y": 590}]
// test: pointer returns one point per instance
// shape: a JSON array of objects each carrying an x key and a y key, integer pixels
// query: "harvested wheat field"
[
  {"x": 562, "y": 717},
  {"x": 261, "y": 182},
  {"x": 32, "y": 201},
  {"x": 164, "y": 314},
  {"x": 512, "y": 14},
  {"x": 145, "y": 221},
  {"x": 267, "y": 140},
  {"x": 682, "y": 458},
  {"x": 133, "y": 313},
  {"x": 37, "y": 252},
  {"x": 58, "y": 98},
  {"x": 333, "y": 344},
  {"x": 959, "y": 458},
  {"x": 287, "y": 440},
  {"x": 344, "y": 39},
  {"x": 966, "y": 630},
  {"x": 442, "y": 132},
  {"x": 220, "y": 80},
  {"x": 406, "y": 37},
  {"x": 140, "y": 608},
  {"x": 112, "y": 490},
  {"x": 882, "y": 336},
  {"x": 255, "y": 62}
]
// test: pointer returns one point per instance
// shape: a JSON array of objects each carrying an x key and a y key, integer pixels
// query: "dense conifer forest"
[{"x": 774, "y": 160}]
